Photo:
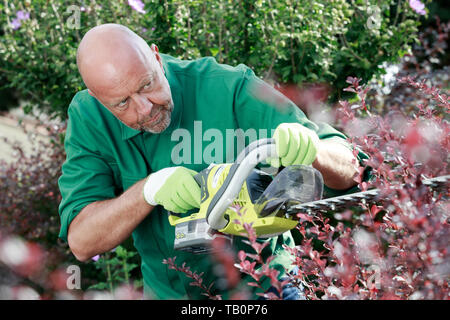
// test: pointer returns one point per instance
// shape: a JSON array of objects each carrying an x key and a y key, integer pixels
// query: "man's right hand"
[{"x": 174, "y": 188}]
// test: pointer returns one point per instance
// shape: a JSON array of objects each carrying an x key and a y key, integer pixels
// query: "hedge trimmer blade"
[{"x": 354, "y": 199}]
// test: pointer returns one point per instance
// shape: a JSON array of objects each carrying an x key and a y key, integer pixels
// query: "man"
[{"x": 119, "y": 177}]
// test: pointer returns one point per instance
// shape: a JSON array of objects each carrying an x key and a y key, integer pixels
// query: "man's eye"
[
  {"x": 123, "y": 103},
  {"x": 148, "y": 85}
]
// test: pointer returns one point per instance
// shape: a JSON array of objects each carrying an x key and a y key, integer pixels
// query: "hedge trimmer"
[
  {"x": 235, "y": 194},
  {"x": 354, "y": 199}
]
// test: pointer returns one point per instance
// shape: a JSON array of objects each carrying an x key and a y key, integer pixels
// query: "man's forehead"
[{"x": 113, "y": 74}]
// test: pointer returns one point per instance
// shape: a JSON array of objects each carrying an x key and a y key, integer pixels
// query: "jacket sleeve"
[{"x": 86, "y": 176}]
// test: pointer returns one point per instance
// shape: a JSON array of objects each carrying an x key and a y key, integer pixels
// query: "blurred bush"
[
  {"x": 29, "y": 220},
  {"x": 29, "y": 188},
  {"x": 438, "y": 8},
  {"x": 28, "y": 200},
  {"x": 298, "y": 42}
]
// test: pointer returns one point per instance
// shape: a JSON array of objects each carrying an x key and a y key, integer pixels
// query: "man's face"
[{"x": 138, "y": 94}]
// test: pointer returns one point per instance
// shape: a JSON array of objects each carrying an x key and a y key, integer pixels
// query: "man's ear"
[{"x": 155, "y": 49}]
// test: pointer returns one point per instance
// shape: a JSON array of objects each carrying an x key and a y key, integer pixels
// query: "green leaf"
[{"x": 214, "y": 51}]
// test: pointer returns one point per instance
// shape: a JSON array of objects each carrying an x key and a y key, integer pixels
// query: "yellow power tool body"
[{"x": 234, "y": 194}]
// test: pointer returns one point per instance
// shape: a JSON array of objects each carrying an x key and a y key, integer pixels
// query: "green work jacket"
[{"x": 217, "y": 110}]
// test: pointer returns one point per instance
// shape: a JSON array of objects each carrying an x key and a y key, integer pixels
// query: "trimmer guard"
[{"x": 292, "y": 186}]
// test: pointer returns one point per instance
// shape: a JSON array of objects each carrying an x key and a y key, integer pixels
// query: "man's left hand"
[{"x": 295, "y": 144}]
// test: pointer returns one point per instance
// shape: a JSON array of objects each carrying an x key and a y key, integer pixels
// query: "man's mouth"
[
  {"x": 161, "y": 113},
  {"x": 154, "y": 118}
]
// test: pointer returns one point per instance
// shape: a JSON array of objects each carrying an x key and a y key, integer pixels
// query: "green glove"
[
  {"x": 295, "y": 144},
  {"x": 174, "y": 188}
]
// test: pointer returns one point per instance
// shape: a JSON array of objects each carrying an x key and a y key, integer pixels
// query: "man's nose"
[{"x": 143, "y": 105}]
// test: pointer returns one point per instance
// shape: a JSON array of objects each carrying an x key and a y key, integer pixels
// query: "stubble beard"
[{"x": 163, "y": 121}]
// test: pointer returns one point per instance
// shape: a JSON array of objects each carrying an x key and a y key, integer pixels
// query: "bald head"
[
  {"x": 127, "y": 76},
  {"x": 108, "y": 52}
]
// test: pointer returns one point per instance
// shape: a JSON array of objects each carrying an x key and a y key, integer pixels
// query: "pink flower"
[
  {"x": 417, "y": 6},
  {"x": 15, "y": 23},
  {"x": 23, "y": 15},
  {"x": 20, "y": 15},
  {"x": 137, "y": 5}
]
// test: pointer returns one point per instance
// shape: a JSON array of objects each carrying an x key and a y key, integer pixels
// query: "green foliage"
[
  {"x": 117, "y": 265},
  {"x": 297, "y": 41}
]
